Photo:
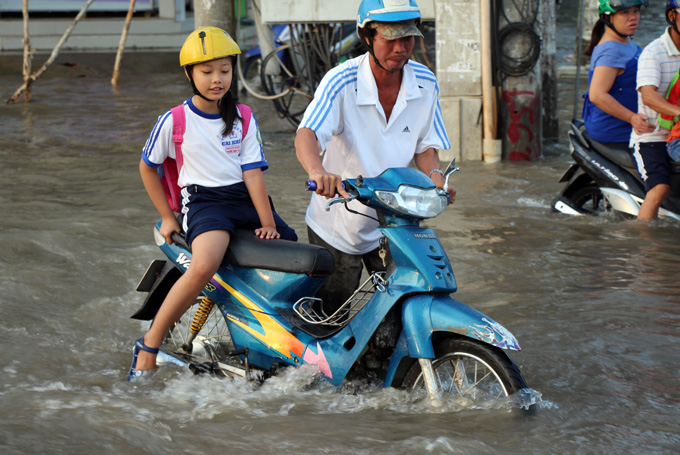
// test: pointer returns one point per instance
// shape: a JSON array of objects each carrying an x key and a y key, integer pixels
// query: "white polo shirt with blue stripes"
[
  {"x": 351, "y": 127},
  {"x": 210, "y": 159},
  {"x": 658, "y": 63}
]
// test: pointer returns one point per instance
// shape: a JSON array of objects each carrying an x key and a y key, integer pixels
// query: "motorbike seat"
[
  {"x": 618, "y": 153},
  {"x": 675, "y": 167},
  {"x": 248, "y": 250}
]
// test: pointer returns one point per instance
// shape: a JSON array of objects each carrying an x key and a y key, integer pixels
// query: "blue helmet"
[
  {"x": 672, "y": 4},
  {"x": 387, "y": 11}
]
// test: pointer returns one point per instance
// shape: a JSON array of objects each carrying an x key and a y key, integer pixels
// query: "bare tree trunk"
[
  {"x": 33, "y": 77},
  {"x": 28, "y": 55},
  {"x": 121, "y": 45}
]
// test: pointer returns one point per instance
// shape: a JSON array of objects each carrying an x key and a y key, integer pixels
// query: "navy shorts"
[
  {"x": 653, "y": 163},
  {"x": 226, "y": 209}
]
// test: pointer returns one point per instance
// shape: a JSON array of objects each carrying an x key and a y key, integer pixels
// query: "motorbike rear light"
[{"x": 158, "y": 237}]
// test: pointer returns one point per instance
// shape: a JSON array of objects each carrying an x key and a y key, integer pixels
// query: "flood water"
[{"x": 594, "y": 302}]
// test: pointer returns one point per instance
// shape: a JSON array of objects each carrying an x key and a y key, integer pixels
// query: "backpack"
[
  {"x": 673, "y": 97},
  {"x": 168, "y": 172}
]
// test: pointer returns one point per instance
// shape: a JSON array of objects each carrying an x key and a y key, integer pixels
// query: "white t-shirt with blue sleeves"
[
  {"x": 352, "y": 129},
  {"x": 210, "y": 159}
]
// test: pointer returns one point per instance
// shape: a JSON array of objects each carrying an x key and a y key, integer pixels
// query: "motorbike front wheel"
[{"x": 471, "y": 370}]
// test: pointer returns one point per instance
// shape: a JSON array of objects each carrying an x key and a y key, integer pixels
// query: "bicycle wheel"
[{"x": 294, "y": 90}]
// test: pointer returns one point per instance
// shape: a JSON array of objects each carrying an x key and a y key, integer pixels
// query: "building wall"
[{"x": 459, "y": 71}]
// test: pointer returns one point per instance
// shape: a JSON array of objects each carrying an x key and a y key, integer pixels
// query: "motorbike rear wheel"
[
  {"x": 589, "y": 200},
  {"x": 209, "y": 349},
  {"x": 471, "y": 370}
]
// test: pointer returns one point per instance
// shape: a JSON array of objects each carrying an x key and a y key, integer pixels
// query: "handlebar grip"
[
  {"x": 310, "y": 185},
  {"x": 179, "y": 240}
]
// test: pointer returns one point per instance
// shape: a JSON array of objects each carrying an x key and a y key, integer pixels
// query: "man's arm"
[
  {"x": 307, "y": 151},
  {"x": 428, "y": 161},
  {"x": 657, "y": 102}
]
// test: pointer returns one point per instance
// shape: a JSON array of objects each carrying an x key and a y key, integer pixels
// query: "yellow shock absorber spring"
[{"x": 201, "y": 315}]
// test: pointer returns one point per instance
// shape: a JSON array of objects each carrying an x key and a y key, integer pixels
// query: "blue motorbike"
[{"x": 258, "y": 314}]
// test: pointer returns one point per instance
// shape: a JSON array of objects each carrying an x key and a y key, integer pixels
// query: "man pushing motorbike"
[{"x": 371, "y": 113}]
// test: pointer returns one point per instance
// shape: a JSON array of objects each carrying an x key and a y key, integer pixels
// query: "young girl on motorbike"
[
  {"x": 221, "y": 176},
  {"x": 610, "y": 106}
]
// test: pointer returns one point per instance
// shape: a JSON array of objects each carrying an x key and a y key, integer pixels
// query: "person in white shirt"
[
  {"x": 222, "y": 178},
  {"x": 371, "y": 113},
  {"x": 657, "y": 65}
]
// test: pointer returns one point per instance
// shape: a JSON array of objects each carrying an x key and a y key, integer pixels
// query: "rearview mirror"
[{"x": 447, "y": 173}]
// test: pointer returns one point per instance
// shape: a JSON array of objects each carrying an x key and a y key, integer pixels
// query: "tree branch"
[{"x": 33, "y": 77}]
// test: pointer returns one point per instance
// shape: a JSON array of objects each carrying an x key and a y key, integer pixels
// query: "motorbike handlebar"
[
  {"x": 310, "y": 185},
  {"x": 180, "y": 240}
]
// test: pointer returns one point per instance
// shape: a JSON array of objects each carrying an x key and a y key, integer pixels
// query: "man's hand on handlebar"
[
  {"x": 452, "y": 194},
  {"x": 328, "y": 185},
  {"x": 439, "y": 181}
]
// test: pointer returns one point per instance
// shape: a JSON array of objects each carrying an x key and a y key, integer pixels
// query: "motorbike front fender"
[{"x": 424, "y": 315}]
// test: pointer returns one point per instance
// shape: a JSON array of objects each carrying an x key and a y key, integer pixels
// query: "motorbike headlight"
[{"x": 418, "y": 202}]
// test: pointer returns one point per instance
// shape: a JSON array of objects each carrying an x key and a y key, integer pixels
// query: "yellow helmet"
[{"x": 205, "y": 44}]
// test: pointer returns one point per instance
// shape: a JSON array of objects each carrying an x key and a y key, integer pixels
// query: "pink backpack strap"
[
  {"x": 179, "y": 125},
  {"x": 245, "y": 118},
  {"x": 169, "y": 170}
]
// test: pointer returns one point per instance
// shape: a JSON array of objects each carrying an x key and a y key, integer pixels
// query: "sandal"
[{"x": 134, "y": 375}]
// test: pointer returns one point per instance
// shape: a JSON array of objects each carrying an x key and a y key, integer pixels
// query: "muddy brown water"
[{"x": 594, "y": 302}]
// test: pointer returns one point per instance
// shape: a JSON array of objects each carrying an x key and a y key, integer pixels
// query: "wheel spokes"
[
  {"x": 214, "y": 333},
  {"x": 468, "y": 378}
]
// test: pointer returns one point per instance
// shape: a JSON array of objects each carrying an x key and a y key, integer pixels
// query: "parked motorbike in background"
[
  {"x": 258, "y": 314},
  {"x": 606, "y": 180}
]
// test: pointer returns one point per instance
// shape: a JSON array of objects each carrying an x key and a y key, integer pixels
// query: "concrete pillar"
[
  {"x": 548, "y": 32},
  {"x": 459, "y": 71},
  {"x": 589, "y": 18},
  {"x": 216, "y": 13},
  {"x": 521, "y": 106}
]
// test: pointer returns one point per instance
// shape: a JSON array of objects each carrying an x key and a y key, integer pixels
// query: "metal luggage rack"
[{"x": 310, "y": 309}]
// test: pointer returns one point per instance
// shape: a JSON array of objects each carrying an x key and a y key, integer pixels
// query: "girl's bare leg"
[{"x": 207, "y": 253}]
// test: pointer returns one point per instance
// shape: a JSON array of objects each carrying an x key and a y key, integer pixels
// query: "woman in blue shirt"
[{"x": 610, "y": 107}]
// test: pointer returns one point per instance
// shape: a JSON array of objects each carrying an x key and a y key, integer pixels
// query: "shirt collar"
[
  {"x": 669, "y": 44},
  {"x": 367, "y": 89}
]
